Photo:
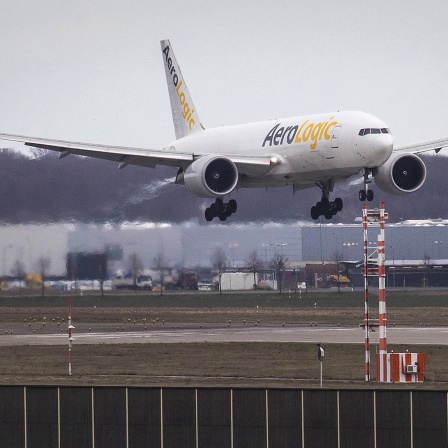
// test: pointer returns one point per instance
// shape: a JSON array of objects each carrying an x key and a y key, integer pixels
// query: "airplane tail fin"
[{"x": 185, "y": 118}]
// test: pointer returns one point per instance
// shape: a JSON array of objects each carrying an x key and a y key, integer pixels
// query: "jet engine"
[
  {"x": 402, "y": 173},
  {"x": 211, "y": 176}
]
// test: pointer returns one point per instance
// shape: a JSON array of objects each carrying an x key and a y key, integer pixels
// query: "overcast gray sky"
[{"x": 92, "y": 70}]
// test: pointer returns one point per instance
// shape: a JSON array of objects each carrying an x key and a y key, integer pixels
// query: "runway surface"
[{"x": 345, "y": 335}]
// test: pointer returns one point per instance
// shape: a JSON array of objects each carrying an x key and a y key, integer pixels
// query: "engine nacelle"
[
  {"x": 211, "y": 176},
  {"x": 402, "y": 173}
]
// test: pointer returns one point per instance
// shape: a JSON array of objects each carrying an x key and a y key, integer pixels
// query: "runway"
[{"x": 344, "y": 335}]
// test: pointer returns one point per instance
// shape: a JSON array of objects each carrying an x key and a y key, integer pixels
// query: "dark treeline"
[{"x": 46, "y": 189}]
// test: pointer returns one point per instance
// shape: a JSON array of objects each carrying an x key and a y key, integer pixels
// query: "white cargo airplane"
[{"x": 301, "y": 152}]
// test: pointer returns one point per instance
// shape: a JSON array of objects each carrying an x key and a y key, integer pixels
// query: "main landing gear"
[
  {"x": 220, "y": 209},
  {"x": 366, "y": 193},
  {"x": 326, "y": 207}
]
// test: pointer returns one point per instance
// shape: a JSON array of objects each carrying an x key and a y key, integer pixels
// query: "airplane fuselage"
[
  {"x": 305, "y": 151},
  {"x": 310, "y": 148}
]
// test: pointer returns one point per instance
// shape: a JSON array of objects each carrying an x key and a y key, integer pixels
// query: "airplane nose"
[{"x": 383, "y": 146}]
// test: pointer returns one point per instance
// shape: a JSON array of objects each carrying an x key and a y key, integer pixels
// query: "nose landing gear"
[
  {"x": 220, "y": 209},
  {"x": 366, "y": 193}
]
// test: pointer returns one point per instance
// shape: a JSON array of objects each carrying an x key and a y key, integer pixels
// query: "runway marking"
[{"x": 355, "y": 335}]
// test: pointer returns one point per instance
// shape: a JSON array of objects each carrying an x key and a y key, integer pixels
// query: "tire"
[
  {"x": 370, "y": 195},
  {"x": 338, "y": 204},
  {"x": 223, "y": 216},
  {"x": 217, "y": 207},
  {"x": 209, "y": 214},
  {"x": 232, "y": 206},
  {"x": 314, "y": 212},
  {"x": 362, "y": 195}
]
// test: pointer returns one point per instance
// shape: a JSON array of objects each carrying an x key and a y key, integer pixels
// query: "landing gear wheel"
[
  {"x": 338, "y": 204},
  {"x": 314, "y": 212},
  {"x": 326, "y": 208},
  {"x": 232, "y": 206},
  {"x": 220, "y": 209},
  {"x": 366, "y": 193}
]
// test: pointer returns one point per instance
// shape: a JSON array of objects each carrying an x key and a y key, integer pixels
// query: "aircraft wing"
[
  {"x": 417, "y": 148},
  {"x": 137, "y": 156}
]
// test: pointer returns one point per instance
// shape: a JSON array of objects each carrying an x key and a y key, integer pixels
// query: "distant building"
[
  {"x": 190, "y": 245},
  {"x": 87, "y": 266}
]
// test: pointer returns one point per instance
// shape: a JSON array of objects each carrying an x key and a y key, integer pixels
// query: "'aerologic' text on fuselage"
[{"x": 306, "y": 132}]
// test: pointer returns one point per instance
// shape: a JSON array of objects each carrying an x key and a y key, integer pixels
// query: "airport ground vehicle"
[
  {"x": 125, "y": 280},
  {"x": 188, "y": 280}
]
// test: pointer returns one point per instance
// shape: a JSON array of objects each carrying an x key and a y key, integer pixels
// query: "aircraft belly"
[{"x": 297, "y": 179}]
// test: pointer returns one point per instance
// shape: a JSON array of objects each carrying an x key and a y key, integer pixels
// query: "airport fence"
[{"x": 124, "y": 417}]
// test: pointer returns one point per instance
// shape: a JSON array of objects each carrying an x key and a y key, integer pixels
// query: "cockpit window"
[{"x": 374, "y": 131}]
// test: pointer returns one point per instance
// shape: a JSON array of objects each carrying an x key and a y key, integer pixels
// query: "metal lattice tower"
[{"x": 373, "y": 266}]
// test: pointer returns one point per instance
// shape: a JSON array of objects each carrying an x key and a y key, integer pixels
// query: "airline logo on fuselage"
[
  {"x": 186, "y": 112},
  {"x": 307, "y": 131}
]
